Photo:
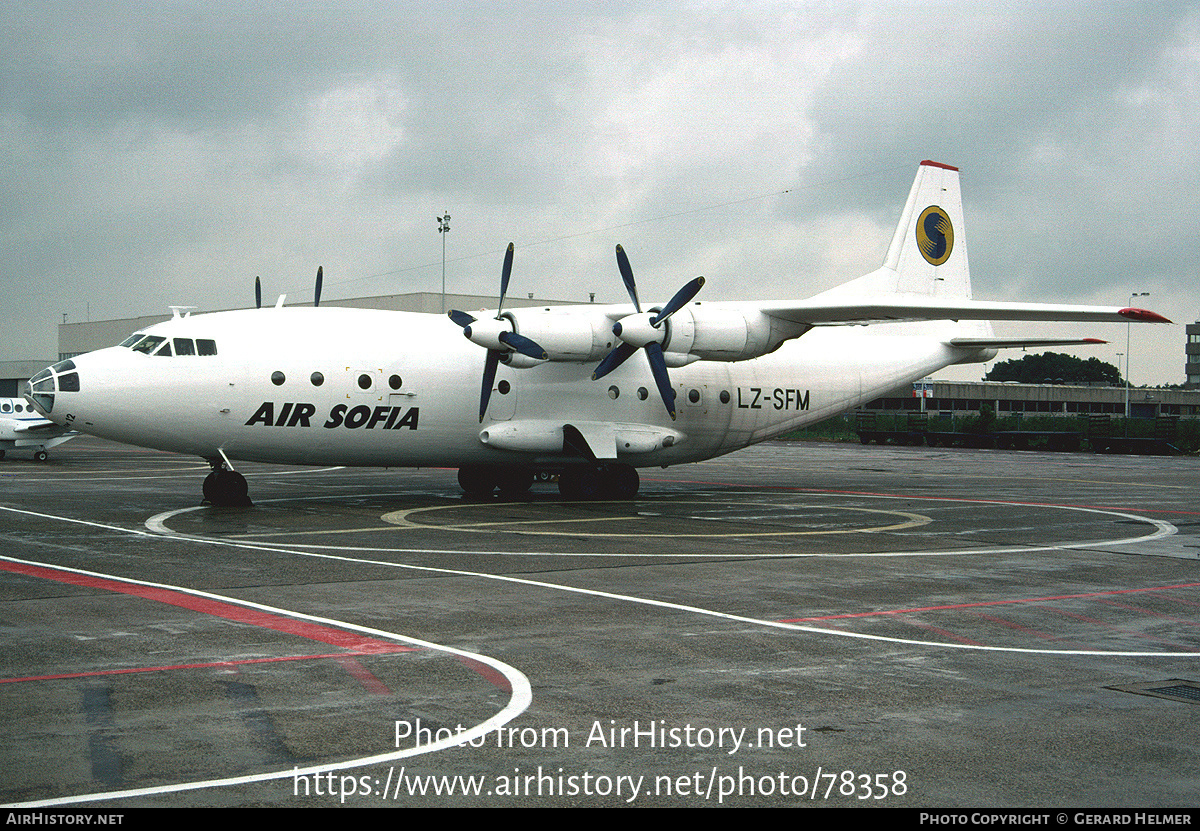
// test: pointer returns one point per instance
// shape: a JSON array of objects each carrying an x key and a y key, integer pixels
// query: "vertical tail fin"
[{"x": 928, "y": 254}]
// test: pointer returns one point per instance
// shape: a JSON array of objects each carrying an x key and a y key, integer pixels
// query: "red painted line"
[
  {"x": 362, "y": 674},
  {"x": 1180, "y": 600},
  {"x": 1122, "y": 630},
  {"x": 1008, "y": 624},
  {"x": 1084, "y": 618},
  {"x": 943, "y": 632},
  {"x": 209, "y": 606},
  {"x": 1149, "y": 613},
  {"x": 492, "y": 675},
  {"x": 357, "y": 643},
  {"x": 209, "y": 665},
  {"x": 991, "y": 603}
]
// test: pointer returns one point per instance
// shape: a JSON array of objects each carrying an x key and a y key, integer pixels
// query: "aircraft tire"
[
  {"x": 41, "y": 456},
  {"x": 476, "y": 480},
  {"x": 227, "y": 489},
  {"x": 1, "y": 454},
  {"x": 515, "y": 481},
  {"x": 581, "y": 484},
  {"x": 622, "y": 481}
]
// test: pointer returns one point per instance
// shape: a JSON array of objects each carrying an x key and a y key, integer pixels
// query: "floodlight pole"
[
  {"x": 443, "y": 229},
  {"x": 1128, "y": 355}
]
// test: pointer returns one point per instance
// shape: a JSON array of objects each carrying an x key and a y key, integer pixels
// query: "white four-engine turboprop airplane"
[
  {"x": 21, "y": 428},
  {"x": 398, "y": 389}
]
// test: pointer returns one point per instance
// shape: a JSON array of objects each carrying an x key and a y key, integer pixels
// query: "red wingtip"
[
  {"x": 1094, "y": 340},
  {"x": 1142, "y": 316}
]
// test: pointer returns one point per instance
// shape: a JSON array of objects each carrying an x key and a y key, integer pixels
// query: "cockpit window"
[
  {"x": 63, "y": 366},
  {"x": 148, "y": 345},
  {"x": 162, "y": 347}
]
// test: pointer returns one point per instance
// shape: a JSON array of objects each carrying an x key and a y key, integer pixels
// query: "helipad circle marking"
[
  {"x": 1162, "y": 529},
  {"x": 157, "y": 524}
]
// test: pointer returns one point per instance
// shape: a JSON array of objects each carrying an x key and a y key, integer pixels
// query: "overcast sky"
[{"x": 166, "y": 153}]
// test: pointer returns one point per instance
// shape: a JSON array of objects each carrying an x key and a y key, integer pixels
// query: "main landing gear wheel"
[
  {"x": 41, "y": 456},
  {"x": 227, "y": 489},
  {"x": 606, "y": 482},
  {"x": 482, "y": 480}
]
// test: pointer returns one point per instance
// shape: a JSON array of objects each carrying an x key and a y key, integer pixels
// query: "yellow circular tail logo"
[{"x": 935, "y": 235}]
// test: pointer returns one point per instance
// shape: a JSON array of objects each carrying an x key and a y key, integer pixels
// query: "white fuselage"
[{"x": 400, "y": 389}]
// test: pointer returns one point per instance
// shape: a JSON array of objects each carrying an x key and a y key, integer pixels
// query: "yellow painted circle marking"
[{"x": 408, "y": 519}]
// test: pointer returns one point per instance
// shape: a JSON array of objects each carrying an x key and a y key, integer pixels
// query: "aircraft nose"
[{"x": 41, "y": 389}]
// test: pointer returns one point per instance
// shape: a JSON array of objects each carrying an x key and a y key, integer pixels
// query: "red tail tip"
[{"x": 1142, "y": 316}]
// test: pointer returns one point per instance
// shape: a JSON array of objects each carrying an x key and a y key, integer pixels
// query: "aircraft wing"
[
  {"x": 831, "y": 311},
  {"x": 1017, "y": 343}
]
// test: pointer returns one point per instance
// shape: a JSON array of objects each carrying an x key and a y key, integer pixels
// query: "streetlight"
[
  {"x": 443, "y": 229},
  {"x": 1128, "y": 355}
]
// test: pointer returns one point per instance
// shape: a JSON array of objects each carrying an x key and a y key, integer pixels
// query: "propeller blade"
[
  {"x": 257, "y": 293},
  {"x": 317, "y": 290},
  {"x": 523, "y": 345},
  {"x": 461, "y": 318},
  {"x": 627, "y": 277},
  {"x": 504, "y": 275},
  {"x": 489, "y": 377},
  {"x": 658, "y": 367},
  {"x": 681, "y": 299},
  {"x": 613, "y": 360}
]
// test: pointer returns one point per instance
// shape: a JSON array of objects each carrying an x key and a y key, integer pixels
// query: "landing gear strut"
[{"x": 226, "y": 488}]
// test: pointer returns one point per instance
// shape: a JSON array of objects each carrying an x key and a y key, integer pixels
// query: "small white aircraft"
[
  {"x": 320, "y": 386},
  {"x": 21, "y": 428}
]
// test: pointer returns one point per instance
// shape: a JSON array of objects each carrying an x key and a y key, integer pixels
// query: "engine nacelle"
[
  {"x": 716, "y": 333},
  {"x": 565, "y": 335},
  {"x": 697, "y": 332}
]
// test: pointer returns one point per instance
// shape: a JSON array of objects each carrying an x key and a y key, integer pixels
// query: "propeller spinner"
[
  {"x": 644, "y": 330},
  {"x": 496, "y": 336}
]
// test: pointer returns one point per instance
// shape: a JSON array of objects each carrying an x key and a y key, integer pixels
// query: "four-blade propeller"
[
  {"x": 496, "y": 336},
  {"x": 644, "y": 330},
  {"x": 316, "y": 289}
]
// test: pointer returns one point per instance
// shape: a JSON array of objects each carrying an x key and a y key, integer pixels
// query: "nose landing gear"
[{"x": 226, "y": 488}]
